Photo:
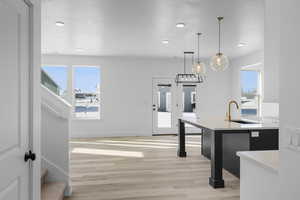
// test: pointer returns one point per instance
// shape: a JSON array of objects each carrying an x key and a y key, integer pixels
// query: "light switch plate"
[{"x": 255, "y": 134}]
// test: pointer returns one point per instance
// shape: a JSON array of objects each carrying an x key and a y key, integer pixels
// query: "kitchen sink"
[{"x": 244, "y": 122}]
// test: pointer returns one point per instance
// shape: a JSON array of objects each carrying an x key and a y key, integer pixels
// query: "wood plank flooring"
[{"x": 143, "y": 168}]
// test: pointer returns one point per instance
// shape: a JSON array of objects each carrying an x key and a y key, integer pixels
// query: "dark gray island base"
[{"x": 221, "y": 140}]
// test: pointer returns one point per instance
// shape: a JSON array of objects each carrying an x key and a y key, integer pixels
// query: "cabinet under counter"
[{"x": 259, "y": 175}]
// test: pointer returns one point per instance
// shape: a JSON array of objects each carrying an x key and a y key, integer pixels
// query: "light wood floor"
[{"x": 143, "y": 168}]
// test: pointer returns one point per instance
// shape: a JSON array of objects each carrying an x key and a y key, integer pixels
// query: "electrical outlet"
[{"x": 255, "y": 134}]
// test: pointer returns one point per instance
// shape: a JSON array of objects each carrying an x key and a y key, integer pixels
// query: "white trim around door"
[{"x": 35, "y": 95}]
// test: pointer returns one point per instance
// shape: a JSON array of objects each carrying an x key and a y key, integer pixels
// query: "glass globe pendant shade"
[
  {"x": 219, "y": 62},
  {"x": 199, "y": 68}
]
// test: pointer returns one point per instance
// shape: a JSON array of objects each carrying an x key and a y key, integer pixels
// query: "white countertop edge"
[
  {"x": 261, "y": 160},
  {"x": 218, "y": 124},
  {"x": 248, "y": 128}
]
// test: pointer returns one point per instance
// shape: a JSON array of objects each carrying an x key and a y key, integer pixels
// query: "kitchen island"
[{"x": 222, "y": 139}]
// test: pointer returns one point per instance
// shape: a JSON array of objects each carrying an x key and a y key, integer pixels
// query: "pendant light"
[
  {"x": 219, "y": 62},
  {"x": 186, "y": 77},
  {"x": 199, "y": 68}
]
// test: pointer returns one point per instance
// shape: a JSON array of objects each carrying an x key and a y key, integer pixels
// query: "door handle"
[{"x": 29, "y": 156}]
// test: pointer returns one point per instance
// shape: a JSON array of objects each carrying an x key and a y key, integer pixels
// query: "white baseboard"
[{"x": 102, "y": 133}]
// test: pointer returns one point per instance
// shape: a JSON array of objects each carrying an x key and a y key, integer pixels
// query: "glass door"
[
  {"x": 163, "y": 106},
  {"x": 188, "y": 105}
]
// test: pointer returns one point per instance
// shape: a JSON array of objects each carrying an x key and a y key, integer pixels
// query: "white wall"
[
  {"x": 271, "y": 65},
  {"x": 127, "y": 93},
  {"x": 289, "y": 96}
]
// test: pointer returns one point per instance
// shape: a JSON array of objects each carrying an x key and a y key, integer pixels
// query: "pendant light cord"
[
  {"x": 193, "y": 62},
  {"x": 198, "y": 46},
  {"x": 184, "y": 63},
  {"x": 220, "y": 19},
  {"x": 219, "y": 36}
]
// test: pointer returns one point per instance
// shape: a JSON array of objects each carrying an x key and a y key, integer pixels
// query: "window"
[
  {"x": 250, "y": 92},
  {"x": 55, "y": 79},
  {"x": 164, "y": 101},
  {"x": 86, "y": 92},
  {"x": 81, "y": 88}
]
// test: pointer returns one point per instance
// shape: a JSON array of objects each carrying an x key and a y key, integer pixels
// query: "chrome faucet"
[{"x": 229, "y": 109}]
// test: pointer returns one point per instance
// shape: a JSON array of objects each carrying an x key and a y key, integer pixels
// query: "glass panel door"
[
  {"x": 163, "y": 106},
  {"x": 189, "y": 102}
]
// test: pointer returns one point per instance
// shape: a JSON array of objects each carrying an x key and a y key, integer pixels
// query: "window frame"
[{"x": 259, "y": 89}]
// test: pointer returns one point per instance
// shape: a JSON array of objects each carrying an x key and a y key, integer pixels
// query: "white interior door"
[
  {"x": 14, "y": 100},
  {"x": 164, "y": 106}
]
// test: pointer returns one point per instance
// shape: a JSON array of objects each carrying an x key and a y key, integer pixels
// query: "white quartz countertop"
[
  {"x": 267, "y": 159},
  {"x": 222, "y": 124}
]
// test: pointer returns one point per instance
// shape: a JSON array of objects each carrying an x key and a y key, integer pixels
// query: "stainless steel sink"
[{"x": 244, "y": 122}]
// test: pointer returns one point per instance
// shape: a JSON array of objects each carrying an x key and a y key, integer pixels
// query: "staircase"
[
  {"x": 51, "y": 190},
  {"x": 55, "y": 131}
]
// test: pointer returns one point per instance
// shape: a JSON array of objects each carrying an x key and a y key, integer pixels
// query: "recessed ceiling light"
[
  {"x": 165, "y": 41},
  {"x": 180, "y": 25},
  {"x": 59, "y": 23},
  {"x": 242, "y": 44}
]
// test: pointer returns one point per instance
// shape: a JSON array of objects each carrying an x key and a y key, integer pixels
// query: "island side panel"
[{"x": 181, "y": 139}]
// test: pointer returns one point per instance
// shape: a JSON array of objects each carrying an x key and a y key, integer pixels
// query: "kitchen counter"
[
  {"x": 222, "y": 124},
  {"x": 266, "y": 159},
  {"x": 221, "y": 140}
]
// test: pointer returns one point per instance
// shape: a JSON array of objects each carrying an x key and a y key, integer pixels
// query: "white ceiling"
[{"x": 137, "y": 27}]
